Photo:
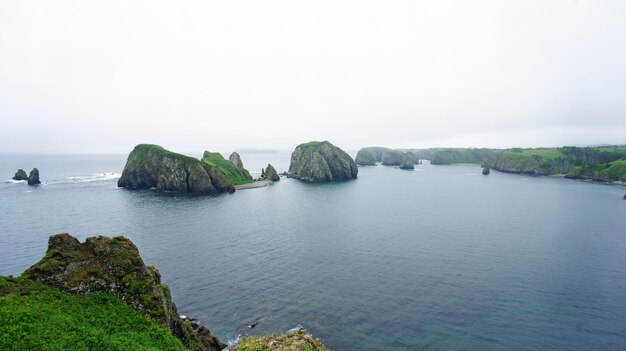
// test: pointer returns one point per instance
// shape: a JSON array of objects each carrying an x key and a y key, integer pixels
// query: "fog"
[{"x": 102, "y": 76}]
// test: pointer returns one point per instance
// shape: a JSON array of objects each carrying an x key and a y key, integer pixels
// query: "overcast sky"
[{"x": 102, "y": 76}]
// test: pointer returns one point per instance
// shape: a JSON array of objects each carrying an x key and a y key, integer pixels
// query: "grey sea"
[{"x": 440, "y": 258}]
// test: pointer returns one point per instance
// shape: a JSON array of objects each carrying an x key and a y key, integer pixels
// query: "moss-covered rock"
[
  {"x": 231, "y": 172},
  {"x": 269, "y": 173},
  {"x": 365, "y": 158},
  {"x": 113, "y": 265},
  {"x": 33, "y": 177},
  {"x": 151, "y": 166},
  {"x": 407, "y": 164},
  {"x": 20, "y": 175},
  {"x": 321, "y": 161},
  {"x": 298, "y": 340}
]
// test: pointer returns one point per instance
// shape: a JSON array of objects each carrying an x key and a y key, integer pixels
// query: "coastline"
[{"x": 253, "y": 185}]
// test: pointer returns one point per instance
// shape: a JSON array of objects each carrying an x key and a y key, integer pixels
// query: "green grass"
[
  {"x": 141, "y": 152},
  {"x": 36, "y": 317},
  {"x": 230, "y": 171}
]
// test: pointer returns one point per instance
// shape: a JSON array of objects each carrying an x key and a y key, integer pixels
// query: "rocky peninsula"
[{"x": 321, "y": 161}]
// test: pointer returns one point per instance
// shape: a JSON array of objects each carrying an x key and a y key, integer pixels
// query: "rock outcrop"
[
  {"x": 151, "y": 166},
  {"x": 486, "y": 169},
  {"x": 232, "y": 172},
  {"x": 20, "y": 175},
  {"x": 365, "y": 158},
  {"x": 393, "y": 158},
  {"x": 407, "y": 164},
  {"x": 236, "y": 160},
  {"x": 33, "y": 177},
  {"x": 113, "y": 265},
  {"x": 269, "y": 173},
  {"x": 321, "y": 161}
]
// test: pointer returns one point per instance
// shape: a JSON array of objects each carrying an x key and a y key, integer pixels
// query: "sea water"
[{"x": 438, "y": 258}]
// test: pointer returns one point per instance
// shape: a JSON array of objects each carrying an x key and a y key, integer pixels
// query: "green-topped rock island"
[{"x": 321, "y": 161}]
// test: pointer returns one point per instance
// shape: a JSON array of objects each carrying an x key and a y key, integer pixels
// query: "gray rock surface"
[{"x": 321, "y": 162}]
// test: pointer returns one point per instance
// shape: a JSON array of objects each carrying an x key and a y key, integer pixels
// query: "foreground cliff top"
[{"x": 113, "y": 266}]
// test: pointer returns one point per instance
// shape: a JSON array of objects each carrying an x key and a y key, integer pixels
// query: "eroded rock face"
[
  {"x": 321, "y": 162},
  {"x": 269, "y": 173},
  {"x": 407, "y": 164},
  {"x": 33, "y": 177},
  {"x": 365, "y": 158},
  {"x": 20, "y": 175},
  {"x": 151, "y": 166},
  {"x": 236, "y": 160},
  {"x": 113, "y": 265}
]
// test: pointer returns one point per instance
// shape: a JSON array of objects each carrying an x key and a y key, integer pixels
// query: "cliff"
[
  {"x": 113, "y": 266},
  {"x": 232, "y": 172},
  {"x": 606, "y": 163},
  {"x": 321, "y": 162},
  {"x": 393, "y": 158},
  {"x": 365, "y": 158},
  {"x": 151, "y": 166}
]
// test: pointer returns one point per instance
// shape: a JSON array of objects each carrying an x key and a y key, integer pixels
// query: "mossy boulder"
[
  {"x": 407, "y": 164},
  {"x": 113, "y": 265},
  {"x": 269, "y": 173},
  {"x": 321, "y": 161},
  {"x": 33, "y": 177},
  {"x": 151, "y": 166},
  {"x": 20, "y": 175},
  {"x": 393, "y": 158},
  {"x": 365, "y": 158},
  {"x": 297, "y": 340}
]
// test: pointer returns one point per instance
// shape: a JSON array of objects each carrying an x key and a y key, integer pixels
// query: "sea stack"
[
  {"x": 486, "y": 169},
  {"x": 407, "y": 164},
  {"x": 321, "y": 161},
  {"x": 269, "y": 173},
  {"x": 113, "y": 266},
  {"x": 20, "y": 175},
  {"x": 33, "y": 178},
  {"x": 151, "y": 166}
]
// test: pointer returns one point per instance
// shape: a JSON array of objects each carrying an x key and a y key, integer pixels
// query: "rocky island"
[
  {"x": 407, "y": 164},
  {"x": 33, "y": 177},
  {"x": 269, "y": 173},
  {"x": 20, "y": 175},
  {"x": 151, "y": 166},
  {"x": 321, "y": 161}
]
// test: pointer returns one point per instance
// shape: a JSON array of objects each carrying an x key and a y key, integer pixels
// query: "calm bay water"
[{"x": 438, "y": 258}]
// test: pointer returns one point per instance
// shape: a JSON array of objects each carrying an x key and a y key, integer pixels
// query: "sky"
[{"x": 103, "y": 76}]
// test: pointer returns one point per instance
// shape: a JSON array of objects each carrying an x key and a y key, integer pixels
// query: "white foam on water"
[
  {"x": 95, "y": 177},
  {"x": 13, "y": 181},
  {"x": 523, "y": 178}
]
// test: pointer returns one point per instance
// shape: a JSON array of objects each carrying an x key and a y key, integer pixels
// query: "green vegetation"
[
  {"x": 321, "y": 161},
  {"x": 365, "y": 158},
  {"x": 34, "y": 316},
  {"x": 142, "y": 153},
  {"x": 597, "y": 163},
  {"x": 451, "y": 156},
  {"x": 231, "y": 172},
  {"x": 299, "y": 341}
]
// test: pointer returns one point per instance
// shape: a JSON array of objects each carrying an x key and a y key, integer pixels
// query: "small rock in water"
[
  {"x": 20, "y": 175},
  {"x": 33, "y": 178}
]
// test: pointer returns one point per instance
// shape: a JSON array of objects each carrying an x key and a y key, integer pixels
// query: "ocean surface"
[{"x": 440, "y": 258}]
